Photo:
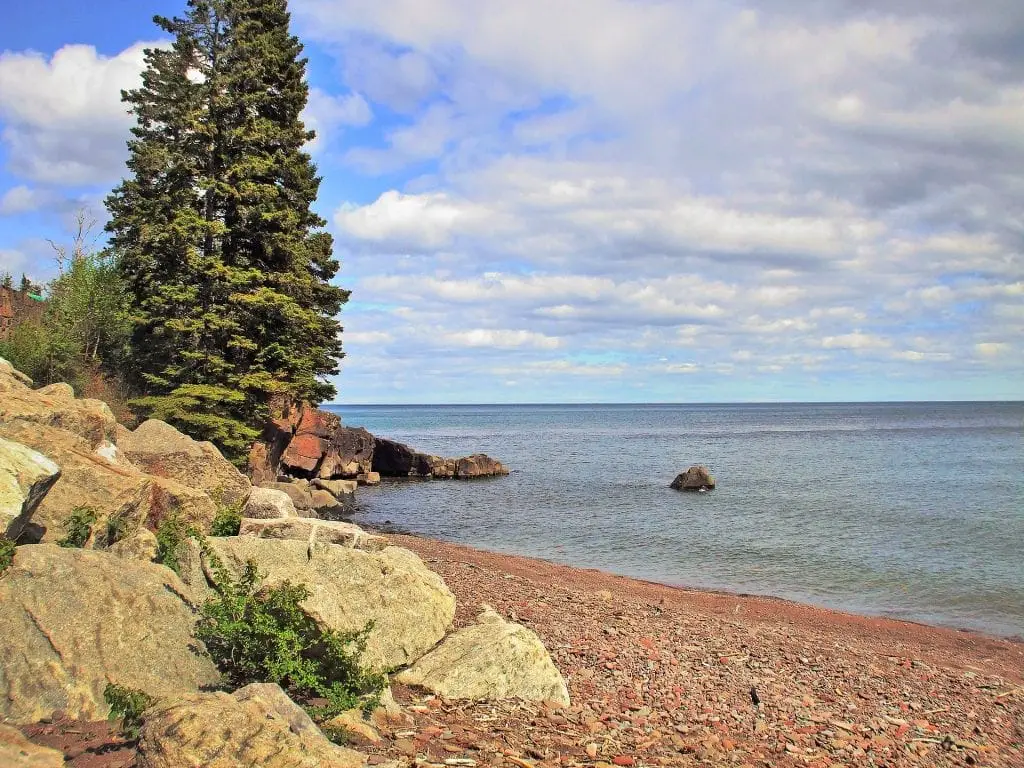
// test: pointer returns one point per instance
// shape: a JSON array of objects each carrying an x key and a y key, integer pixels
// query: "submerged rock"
[
  {"x": 257, "y": 725},
  {"x": 696, "y": 478},
  {"x": 74, "y": 620},
  {"x": 490, "y": 660}
]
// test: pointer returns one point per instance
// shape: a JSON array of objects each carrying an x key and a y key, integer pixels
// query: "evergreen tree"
[{"x": 226, "y": 265}]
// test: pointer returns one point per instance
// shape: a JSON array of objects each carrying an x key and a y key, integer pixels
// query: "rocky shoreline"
[
  {"x": 662, "y": 676},
  {"x": 492, "y": 660}
]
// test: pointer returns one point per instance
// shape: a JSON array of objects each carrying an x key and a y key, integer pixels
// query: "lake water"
[{"x": 910, "y": 510}]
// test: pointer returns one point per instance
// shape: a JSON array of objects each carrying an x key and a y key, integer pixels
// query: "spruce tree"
[{"x": 226, "y": 264}]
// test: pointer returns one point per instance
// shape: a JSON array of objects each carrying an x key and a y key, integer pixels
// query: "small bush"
[
  {"x": 79, "y": 527},
  {"x": 6, "y": 553},
  {"x": 260, "y": 634},
  {"x": 227, "y": 521},
  {"x": 127, "y": 705},
  {"x": 117, "y": 529},
  {"x": 170, "y": 536}
]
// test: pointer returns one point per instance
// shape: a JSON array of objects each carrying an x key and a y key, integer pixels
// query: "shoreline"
[
  {"x": 663, "y": 675},
  {"x": 724, "y": 593},
  {"x": 752, "y": 606}
]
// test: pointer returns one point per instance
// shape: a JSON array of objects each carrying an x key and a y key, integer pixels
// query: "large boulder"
[
  {"x": 310, "y": 442},
  {"x": 410, "y": 606},
  {"x": 268, "y": 503},
  {"x": 696, "y": 478},
  {"x": 8, "y": 371},
  {"x": 343, "y": 490},
  {"x": 298, "y": 492},
  {"x": 54, "y": 406},
  {"x": 329, "y": 506},
  {"x": 25, "y": 478},
  {"x": 110, "y": 490},
  {"x": 479, "y": 465},
  {"x": 349, "y": 453},
  {"x": 394, "y": 459},
  {"x": 314, "y": 531},
  {"x": 18, "y": 752},
  {"x": 74, "y": 620},
  {"x": 157, "y": 448},
  {"x": 257, "y": 725},
  {"x": 490, "y": 660}
]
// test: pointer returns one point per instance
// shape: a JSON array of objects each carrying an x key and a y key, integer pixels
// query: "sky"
[{"x": 610, "y": 200}]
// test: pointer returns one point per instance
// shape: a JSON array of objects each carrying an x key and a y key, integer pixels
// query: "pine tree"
[{"x": 226, "y": 264}]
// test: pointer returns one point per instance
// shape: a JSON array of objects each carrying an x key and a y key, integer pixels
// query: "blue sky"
[{"x": 611, "y": 200}]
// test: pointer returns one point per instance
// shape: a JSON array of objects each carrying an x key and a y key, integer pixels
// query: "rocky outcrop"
[
  {"x": 394, "y": 459},
  {"x": 492, "y": 659},
  {"x": 410, "y": 605},
  {"x": 54, "y": 406},
  {"x": 696, "y": 478},
  {"x": 343, "y": 490},
  {"x": 257, "y": 725},
  {"x": 268, "y": 503},
  {"x": 110, "y": 490},
  {"x": 349, "y": 453},
  {"x": 157, "y": 448},
  {"x": 314, "y": 532},
  {"x": 313, "y": 444},
  {"x": 18, "y": 752},
  {"x": 25, "y": 478},
  {"x": 75, "y": 620}
]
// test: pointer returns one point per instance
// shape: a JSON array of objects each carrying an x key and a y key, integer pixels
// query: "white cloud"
[
  {"x": 326, "y": 114},
  {"x": 501, "y": 339},
  {"x": 22, "y": 199},
  {"x": 63, "y": 119}
]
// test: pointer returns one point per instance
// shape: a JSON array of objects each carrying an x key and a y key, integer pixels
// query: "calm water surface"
[{"x": 907, "y": 510}]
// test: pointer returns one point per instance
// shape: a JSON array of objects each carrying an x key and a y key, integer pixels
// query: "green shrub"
[
  {"x": 127, "y": 705},
  {"x": 6, "y": 553},
  {"x": 260, "y": 634},
  {"x": 117, "y": 528},
  {"x": 79, "y": 527},
  {"x": 170, "y": 536},
  {"x": 227, "y": 521}
]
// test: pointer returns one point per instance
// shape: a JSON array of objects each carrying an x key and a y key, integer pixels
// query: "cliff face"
[{"x": 306, "y": 442}]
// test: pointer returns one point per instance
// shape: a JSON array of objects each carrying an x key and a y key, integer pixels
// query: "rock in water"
[
  {"x": 490, "y": 660},
  {"x": 159, "y": 449},
  {"x": 257, "y": 725},
  {"x": 410, "y": 605},
  {"x": 479, "y": 465},
  {"x": 18, "y": 752},
  {"x": 696, "y": 478},
  {"x": 74, "y": 620},
  {"x": 25, "y": 478}
]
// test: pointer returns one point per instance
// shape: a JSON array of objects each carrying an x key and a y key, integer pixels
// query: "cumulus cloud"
[
  {"x": 776, "y": 188},
  {"x": 63, "y": 119}
]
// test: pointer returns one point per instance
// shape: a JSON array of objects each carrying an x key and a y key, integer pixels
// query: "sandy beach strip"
[{"x": 665, "y": 676}]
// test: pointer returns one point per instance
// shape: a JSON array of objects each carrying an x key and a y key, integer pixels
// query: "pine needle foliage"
[{"x": 227, "y": 266}]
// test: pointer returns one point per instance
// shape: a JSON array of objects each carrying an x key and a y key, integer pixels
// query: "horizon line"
[{"x": 677, "y": 402}]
